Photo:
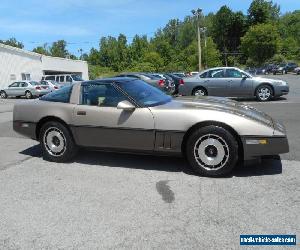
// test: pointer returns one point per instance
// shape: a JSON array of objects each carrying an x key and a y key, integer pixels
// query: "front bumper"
[
  {"x": 255, "y": 147},
  {"x": 281, "y": 90}
]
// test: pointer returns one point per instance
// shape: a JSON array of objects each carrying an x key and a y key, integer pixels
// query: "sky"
[{"x": 82, "y": 22}]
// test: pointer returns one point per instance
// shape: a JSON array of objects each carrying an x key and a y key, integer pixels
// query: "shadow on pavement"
[
  {"x": 268, "y": 166},
  {"x": 277, "y": 99}
]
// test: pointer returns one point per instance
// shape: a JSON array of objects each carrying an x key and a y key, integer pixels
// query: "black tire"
[
  {"x": 28, "y": 94},
  {"x": 225, "y": 145},
  {"x": 60, "y": 137},
  {"x": 202, "y": 91},
  {"x": 3, "y": 94},
  {"x": 264, "y": 93}
]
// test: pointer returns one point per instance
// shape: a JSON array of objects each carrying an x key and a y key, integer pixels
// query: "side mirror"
[
  {"x": 244, "y": 77},
  {"x": 126, "y": 105}
]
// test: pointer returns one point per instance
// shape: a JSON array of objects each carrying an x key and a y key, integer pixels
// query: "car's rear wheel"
[
  {"x": 57, "y": 142},
  {"x": 200, "y": 91},
  {"x": 212, "y": 151},
  {"x": 264, "y": 93},
  {"x": 3, "y": 95},
  {"x": 28, "y": 95}
]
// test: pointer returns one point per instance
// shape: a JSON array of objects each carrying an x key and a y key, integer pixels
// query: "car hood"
[{"x": 220, "y": 104}]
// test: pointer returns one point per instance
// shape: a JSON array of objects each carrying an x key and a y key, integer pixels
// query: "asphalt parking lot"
[{"x": 117, "y": 201}]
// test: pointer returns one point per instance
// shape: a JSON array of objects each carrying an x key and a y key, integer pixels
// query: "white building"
[{"x": 18, "y": 64}]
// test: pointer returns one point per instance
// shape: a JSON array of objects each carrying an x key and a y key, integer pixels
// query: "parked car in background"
[
  {"x": 29, "y": 89},
  {"x": 177, "y": 81},
  {"x": 127, "y": 114},
  {"x": 179, "y": 74},
  {"x": 169, "y": 80},
  {"x": 289, "y": 67},
  {"x": 284, "y": 68},
  {"x": 155, "y": 81},
  {"x": 53, "y": 85},
  {"x": 268, "y": 68},
  {"x": 192, "y": 73},
  {"x": 233, "y": 82},
  {"x": 63, "y": 78},
  {"x": 280, "y": 69},
  {"x": 297, "y": 70}
]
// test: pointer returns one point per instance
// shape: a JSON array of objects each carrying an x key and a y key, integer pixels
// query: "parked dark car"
[
  {"x": 284, "y": 68},
  {"x": 297, "y": 70},
  {"x": 177, "y": 81},
  {"x": 155, "y": 81},
  {"x": 268, "y": 68}
]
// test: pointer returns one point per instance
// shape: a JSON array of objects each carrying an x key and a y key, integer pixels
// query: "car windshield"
[
  {"x": 77, "y": 78},
  {"x": 144, "y": 94},
  {"x": 34, "y": 83}
]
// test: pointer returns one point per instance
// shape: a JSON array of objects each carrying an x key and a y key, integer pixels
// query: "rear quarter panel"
[{"x": 34, "y": 110}]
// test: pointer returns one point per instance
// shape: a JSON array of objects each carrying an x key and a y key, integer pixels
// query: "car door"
[
  {"x": 98, "y": 122},
  {"x": 12, "y": 89},
  {"x": 22, "y": 88},
  {"x": 240, "y": 85},
  {"x": 215, "y": 83}
]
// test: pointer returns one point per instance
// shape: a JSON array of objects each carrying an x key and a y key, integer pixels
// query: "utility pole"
[{"x": 198, "y": 14}]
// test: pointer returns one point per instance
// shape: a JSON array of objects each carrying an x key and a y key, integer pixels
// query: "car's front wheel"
[
  {"x": 212, "y": 151},
  {"x": 264, "y": 93},
  {"x": 57, "y": 142},
  {"x": 3, "y": 95}
]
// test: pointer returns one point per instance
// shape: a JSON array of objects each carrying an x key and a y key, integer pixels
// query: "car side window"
[
  {"x": 203, "y": 75},
  {"x": 62, "y": 78},
  {"x": 233, "y": 73},
  {"x": 68, "y": 79},
  {"x": 14, "y": 85},
  {"x": 49, "y": 78},
  {"x": 24, "y": 84},
  {"x": 102, "y": 95},
  {"x": 61, "y": 95},
  {"x": 216, "y": 73}
]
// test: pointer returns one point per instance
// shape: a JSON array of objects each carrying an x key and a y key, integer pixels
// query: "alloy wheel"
[
  {"x": 54, "y": 141},
  {"x": 264, "y": 93},
  {"x": 211, "y": 152}
]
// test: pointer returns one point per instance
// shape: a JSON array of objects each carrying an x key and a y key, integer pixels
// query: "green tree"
[
  {"x": 59, "y": 49},
  {"x": 262, "y": 11},
  {"x": 211, "y": 55},
  {"x": 12, "y": 42},
  {"x": 154, "y": 59},
  {"x": 261, "y": 42},
  {"x": 227, "y": 29},
  {"x": 138, "y": 48},
  {"x": 42, "y": 50}
]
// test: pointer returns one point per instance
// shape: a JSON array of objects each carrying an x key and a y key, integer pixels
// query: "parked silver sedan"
[
  {"x": 126, "y": 114},
  {"x": 232, "y": 82},
  {"x": 29, "y": 89}
]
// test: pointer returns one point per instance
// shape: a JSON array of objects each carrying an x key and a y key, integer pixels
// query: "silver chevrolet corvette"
[{"x": 126, "y": 114}]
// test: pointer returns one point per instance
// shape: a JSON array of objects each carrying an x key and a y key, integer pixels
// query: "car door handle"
[
  {"x": 81, "y": 112},
  {"x": 230, "y": 81}
]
